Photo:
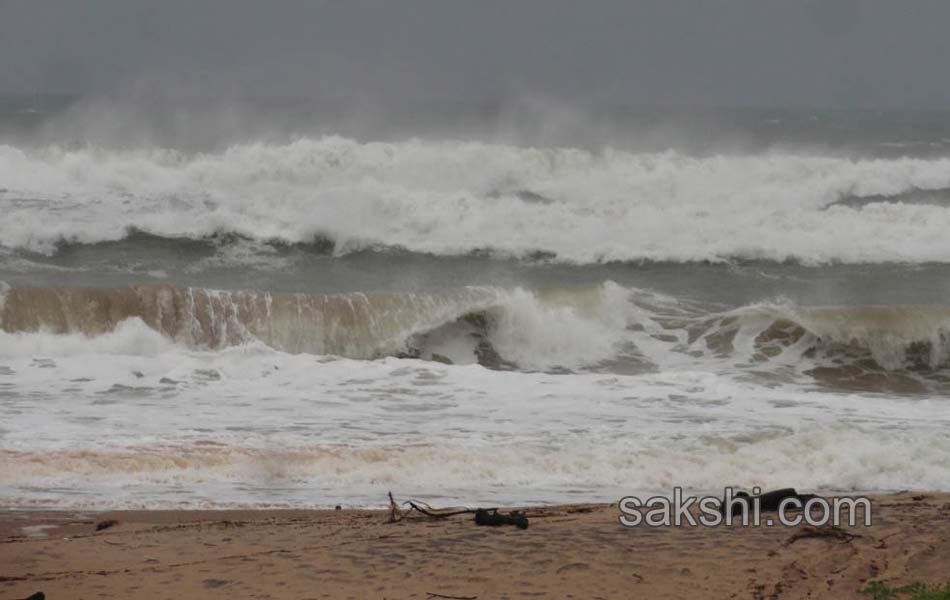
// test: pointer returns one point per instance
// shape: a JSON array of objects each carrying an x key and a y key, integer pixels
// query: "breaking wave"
[
  {"x": 461, "y": 197},
  {"x": 604, "y": 328},
  {"x": 466, "y": 325}
]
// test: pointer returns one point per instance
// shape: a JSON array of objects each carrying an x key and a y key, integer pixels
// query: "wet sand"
[{"x": 577, "y": 551}]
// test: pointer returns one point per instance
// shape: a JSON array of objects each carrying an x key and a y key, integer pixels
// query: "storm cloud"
[{"x": 836, "y": 53}]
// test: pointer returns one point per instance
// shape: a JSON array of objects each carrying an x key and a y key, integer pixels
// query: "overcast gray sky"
[{"x": 832, "y": 53}]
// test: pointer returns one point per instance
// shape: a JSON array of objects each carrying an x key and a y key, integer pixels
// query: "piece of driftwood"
[
  {"x": 483, "y": 516},
  {"x": 398, "y": 514},
  {"x": 768, "y": 501},
  {"x": 493, "y": 518}
]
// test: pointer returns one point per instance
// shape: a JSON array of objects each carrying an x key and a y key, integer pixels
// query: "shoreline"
[{"x": 573, "y": 550}]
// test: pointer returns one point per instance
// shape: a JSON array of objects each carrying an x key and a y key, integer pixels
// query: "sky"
[{"x": 725, "y": 53}]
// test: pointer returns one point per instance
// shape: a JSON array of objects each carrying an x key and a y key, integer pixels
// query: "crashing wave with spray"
[
  {"x": 602, "y": 328},
  {"x": 451, "y": 198},
  {"x": 464, "y": 325}
]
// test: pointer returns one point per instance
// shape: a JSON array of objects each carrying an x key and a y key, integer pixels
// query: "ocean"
[{"x": 469, "y": 307}]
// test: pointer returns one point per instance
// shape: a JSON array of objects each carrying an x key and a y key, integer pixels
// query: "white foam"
[
  {"x": 130, "y": 421},
  {"x": 824, "y": 457},
  {"x": 569, "y": 330},
  {"x": 130, "y": 337},
  {"x": 455, "y": 197},
  {"x": 130, "y": 418}
]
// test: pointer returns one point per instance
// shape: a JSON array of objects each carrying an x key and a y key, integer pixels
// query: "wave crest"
[
  {"x": 461, "y": 197},
  {"x": 474, "y": 324},
  {"x": 606, "y": 328}
]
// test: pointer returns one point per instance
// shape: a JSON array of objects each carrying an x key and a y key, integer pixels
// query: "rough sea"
[{"x": 469, "y": 308}]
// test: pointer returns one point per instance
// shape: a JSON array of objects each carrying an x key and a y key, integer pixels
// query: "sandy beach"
[
  {"x": 574, "y": 551},
  {"x": 263, "y": 262}
]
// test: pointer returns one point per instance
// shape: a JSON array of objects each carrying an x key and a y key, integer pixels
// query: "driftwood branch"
[
  {"x": 483, "y": 516},
  {"x": 394, "y": 513},
  {"x": 398, "y": 514}
]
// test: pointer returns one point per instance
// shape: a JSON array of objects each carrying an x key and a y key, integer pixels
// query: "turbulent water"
[{"x": 319, "y": 320}]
